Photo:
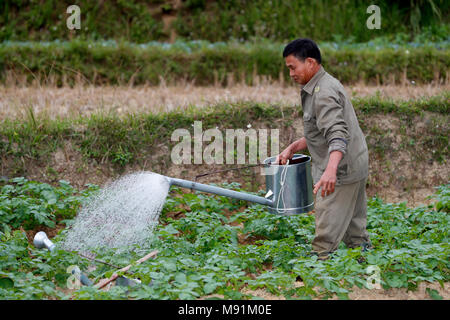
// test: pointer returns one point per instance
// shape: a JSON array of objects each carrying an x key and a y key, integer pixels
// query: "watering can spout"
[
  {"x": 41, "y": 241},
  {"x": 220, "y": 191}
]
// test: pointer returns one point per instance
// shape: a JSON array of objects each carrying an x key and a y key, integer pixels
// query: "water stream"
[{"x": 120, "y": 215}]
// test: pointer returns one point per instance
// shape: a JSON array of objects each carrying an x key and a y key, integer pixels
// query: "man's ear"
[{"x": 311, "y": 61}]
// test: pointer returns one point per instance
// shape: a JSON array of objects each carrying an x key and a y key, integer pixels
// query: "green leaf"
[
  {"x": 50, "y": 196},
  {"x": 343, "y": 296},
  {"x": 61, "y": 278},
  {"x": 232, "y": 294},
  {"x": 170, "y": 229},
  {"x": 210, "y": 287},
  {"x": 434, "y": 294},
  {"x": 180, "y": 278},
  {"x": 48, "y": 289},
  {"x": 6, "y": 283}
]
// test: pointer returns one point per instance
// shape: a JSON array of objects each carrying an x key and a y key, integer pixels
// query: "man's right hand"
[
  {"x": 284, "y": 156},
  {"x": 289, "y": 152}
]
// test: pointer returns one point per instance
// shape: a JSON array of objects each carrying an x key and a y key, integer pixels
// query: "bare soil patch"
[{"x": 373, "y": 294}]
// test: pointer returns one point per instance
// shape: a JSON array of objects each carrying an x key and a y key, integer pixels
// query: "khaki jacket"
[{"x": 330, "y": 124}]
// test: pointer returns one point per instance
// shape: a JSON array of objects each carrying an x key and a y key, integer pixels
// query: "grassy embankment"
[
  {"x": 204, "y": 63},
  {"x": 419, "y": 133}
]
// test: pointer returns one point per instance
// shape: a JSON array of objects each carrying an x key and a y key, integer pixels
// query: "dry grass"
[{"x": 52, "y": 102}]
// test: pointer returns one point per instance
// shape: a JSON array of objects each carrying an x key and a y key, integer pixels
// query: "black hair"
[{"x": 303, "y": 48}]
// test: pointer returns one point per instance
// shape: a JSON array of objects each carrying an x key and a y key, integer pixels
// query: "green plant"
[
  {"x": 442, "y": 196},
  {"x": 142, "y": 21},
  {"x": 29, "y": 204},
  {"x": 27, "y": 273},
  {"x": 125, "y": 63},
  {"x": 204, "y": 252}
]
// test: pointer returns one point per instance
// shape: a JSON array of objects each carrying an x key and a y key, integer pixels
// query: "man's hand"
[
  {"x": 326, "y": 182},
  {"x": 289, "y": 152},
  {"x": 328, "y": 179},
  {"x": 283, "y": 157}
]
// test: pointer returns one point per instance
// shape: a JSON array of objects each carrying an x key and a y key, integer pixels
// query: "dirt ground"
[{"x": 374, "y": 294}]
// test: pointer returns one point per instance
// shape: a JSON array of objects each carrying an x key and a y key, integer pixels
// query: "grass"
[
  {"x": 17, "y": 101},
  {"x": 100, "y": 63},
  {"x": 123, "y": 140}
]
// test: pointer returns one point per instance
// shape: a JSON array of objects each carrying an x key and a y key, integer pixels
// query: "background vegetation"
[
  {"x": 206, "y": 63},
  {"x": 207, "y": 41},
  {"x": 141, "y": 21},
  {"x": 108, "y": 138}
]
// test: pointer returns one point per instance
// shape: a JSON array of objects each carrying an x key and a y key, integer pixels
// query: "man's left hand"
[{"x": 326, "y": 182}]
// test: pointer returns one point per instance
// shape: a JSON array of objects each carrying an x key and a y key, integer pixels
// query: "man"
[{"x": 338, "y": 150}]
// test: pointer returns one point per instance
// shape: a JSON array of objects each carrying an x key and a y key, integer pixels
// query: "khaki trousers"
[{"x": 341, "y": 216}]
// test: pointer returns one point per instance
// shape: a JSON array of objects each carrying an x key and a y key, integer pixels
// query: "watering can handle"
[{"x": 224, "y": 170}]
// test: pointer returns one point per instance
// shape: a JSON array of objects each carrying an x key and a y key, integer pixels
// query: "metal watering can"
[
  {"x": 289, "y": 191},
  {"x": 289, "y": 187}
]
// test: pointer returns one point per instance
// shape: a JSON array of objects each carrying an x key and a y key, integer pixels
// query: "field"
[
  {"x": 54, "y": 102},
  {"x": 216, "y": 247},
  {"x": 408, "y": 220},
  {"x": 81, "y": 108}
]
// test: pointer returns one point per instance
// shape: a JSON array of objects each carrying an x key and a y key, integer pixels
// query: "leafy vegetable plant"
[{"x": 212, "y": 246}]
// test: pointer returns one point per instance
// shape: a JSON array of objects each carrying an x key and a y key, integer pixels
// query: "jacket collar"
[{"x": 309, "y": 87}]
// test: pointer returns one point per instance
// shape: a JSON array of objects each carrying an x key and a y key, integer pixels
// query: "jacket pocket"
[{"x": 310, "y": 128}]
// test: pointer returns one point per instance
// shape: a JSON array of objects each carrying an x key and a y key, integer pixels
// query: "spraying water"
[{"x": 121, "y": 215}]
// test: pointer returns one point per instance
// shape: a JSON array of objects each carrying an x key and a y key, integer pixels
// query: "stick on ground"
[{"x": 104, "y": 282}]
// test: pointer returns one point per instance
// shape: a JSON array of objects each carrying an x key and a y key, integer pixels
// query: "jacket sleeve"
[{"x": 330, "y": 120}]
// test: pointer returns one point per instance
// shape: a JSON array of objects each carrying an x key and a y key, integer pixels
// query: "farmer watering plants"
[{"x": 338, "y": 150}]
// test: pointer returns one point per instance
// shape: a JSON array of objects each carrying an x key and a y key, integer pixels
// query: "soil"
[
  {"x": 374, "y": 294},
  {"x": 363, "y": 294}
]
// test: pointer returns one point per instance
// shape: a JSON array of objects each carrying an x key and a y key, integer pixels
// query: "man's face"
[{"x": 299, "y": 71}]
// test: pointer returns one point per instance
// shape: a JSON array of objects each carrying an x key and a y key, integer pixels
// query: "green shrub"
[
  {"x": 28, "y": 204},
  {"x": 142, "y": 21},
  {"x": 205, "y": 63}
]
